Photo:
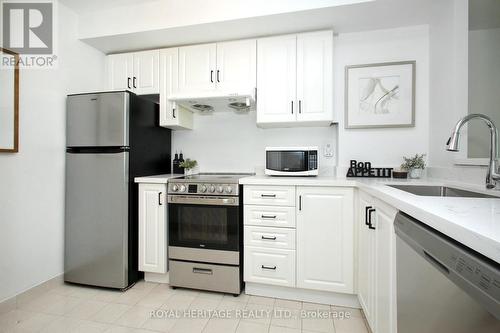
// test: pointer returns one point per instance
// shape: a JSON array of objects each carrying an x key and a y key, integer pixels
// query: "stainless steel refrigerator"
[{"x": 112, "y": 137}]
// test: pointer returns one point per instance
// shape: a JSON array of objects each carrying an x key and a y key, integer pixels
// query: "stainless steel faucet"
[{"x": 493, "y": 175}]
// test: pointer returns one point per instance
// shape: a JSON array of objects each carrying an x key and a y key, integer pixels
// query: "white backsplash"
[
  {"x": 467, "y": 174},
  {"x": 230, "y": 142}
]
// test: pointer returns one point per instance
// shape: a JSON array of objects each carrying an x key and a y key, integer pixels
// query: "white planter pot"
[
  {"x": 416, "y": 173},
  {"x": 191, "y": 171}
]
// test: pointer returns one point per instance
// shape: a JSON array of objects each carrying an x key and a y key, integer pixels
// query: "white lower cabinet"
[
  {"x": 299, "y": 237},
  {"x": 280, "y": 238},
  {"x": 325, "y": 241},
  {"x": 377, "y": 263},
  {"x": 269, "y": 266},
  {"x": 152, "y": 228},
  {"x": 270, "y": 216}
]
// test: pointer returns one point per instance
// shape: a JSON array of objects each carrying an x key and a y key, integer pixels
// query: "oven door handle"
[{"x": 203, "y": 200}]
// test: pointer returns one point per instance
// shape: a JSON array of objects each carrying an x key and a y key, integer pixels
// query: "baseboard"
[
  {"x": 26, "y": 295},
  {"x": 304, "y": 295},
  {"x": 156, "y": 277}
]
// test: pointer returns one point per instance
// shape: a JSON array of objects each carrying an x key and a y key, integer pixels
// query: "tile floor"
[{"x": 151, "y": 307}]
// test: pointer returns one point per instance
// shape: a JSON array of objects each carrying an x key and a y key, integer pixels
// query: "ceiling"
[{"x": 360, "y": 16}]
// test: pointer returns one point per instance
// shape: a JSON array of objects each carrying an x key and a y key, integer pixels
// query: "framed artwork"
[{"x": 380, "y": 95}]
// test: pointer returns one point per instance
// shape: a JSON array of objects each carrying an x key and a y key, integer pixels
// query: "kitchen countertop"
[
  {"x": 157, "y": 179},
  {"x": 471, "y": 221}
]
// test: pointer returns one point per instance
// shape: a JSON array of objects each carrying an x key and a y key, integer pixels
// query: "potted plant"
[
  {"x": 189, "y": 166},
  {"x": 414, "y": 165}
]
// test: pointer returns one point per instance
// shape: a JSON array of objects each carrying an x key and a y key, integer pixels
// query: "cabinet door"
[
  {"x": 315, "y": 76},
  {"x": 237, "y": 66},
  {"x": 366, "y": 259},
  {"x": 197, "y": 68},
  {"x": 325, "y": 238},
  {"x": 146, "y": 72},
  {"x": 152, "y": 228},
  {"x": 120, "y": 70},
  {"x": 170, "y": 115},
  {"x": 276, "y": 79},
  {"x": 385, "y": 268}
]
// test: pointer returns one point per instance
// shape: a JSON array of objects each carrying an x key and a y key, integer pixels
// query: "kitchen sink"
[{"x": 441, "y": 191}]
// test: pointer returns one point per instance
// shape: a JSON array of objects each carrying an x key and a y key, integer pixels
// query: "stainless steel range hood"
[{"x": 215, "y": 102}]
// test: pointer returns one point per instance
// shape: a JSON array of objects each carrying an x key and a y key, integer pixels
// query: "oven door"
[{"x": 204, "y": 222}]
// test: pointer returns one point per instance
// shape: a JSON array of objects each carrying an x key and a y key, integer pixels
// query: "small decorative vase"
[{"x": 416, "y": 173}]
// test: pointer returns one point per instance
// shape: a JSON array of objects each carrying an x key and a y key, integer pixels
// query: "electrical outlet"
[{"x": 328, "y": 150}]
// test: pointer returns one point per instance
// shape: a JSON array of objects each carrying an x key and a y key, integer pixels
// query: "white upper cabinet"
[
  {"x": 171, "y": 116},
  {"x": 236, "y": 66},
  {"x": 120, "y": 71},
  {"x": 315, "y": 76},
  {"x": 137, "y": 72},
  {"x": 146, "y": 72},
  {"x": 295, "y": 80},
  {"x": 197, "y": 68},
  {"x": 276, "y": 75},
  {"x": 325, "y": 239}
]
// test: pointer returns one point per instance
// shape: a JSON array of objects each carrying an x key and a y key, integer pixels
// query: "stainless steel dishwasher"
[{"x": 443, "y": 286}]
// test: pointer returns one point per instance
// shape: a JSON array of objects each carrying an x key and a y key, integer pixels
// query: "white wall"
[
  {"x": 229, "y": 142},
  {"x": 448, "y": 76},
  {"x": 484, "y": 97},
  {"x": 383, "y": 147},
  {"x": 32, "y": 181}
]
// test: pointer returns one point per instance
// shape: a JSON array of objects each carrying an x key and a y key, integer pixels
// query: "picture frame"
[{"x": 380, "y": 95}]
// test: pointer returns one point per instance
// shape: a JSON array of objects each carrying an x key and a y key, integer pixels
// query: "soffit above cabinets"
[{"x": 363, "y": 16}]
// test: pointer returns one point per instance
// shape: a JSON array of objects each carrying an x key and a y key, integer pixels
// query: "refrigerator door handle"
[{"x": 97, "y": 150}]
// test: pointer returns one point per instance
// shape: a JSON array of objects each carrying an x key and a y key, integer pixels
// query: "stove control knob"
[
  {"x": 175, "y": 188},
  {"x": 211, "y": 189},
  {"x": 182, "y": 188},
  {"x": 229, "y": 189},
  {"x": 220, "y": 189},
  {"x": 203, "y": 189}
]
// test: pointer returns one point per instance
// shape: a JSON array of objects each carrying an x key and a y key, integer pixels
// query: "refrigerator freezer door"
[
  {"x": 96, "y": 230},
  {"x": 97, "y": 120}
]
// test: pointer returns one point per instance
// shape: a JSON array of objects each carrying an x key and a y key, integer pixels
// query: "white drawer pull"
[
  {"x": 269, "y": 268},
  {"x": 203, "y": 271},
  {"x": 268, "y": 195},
  {"x": 269, "y": 238},
  {"x": 271, "y": 217}
]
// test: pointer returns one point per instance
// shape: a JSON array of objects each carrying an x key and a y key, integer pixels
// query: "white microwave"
[{"x": 291, "y": 161}]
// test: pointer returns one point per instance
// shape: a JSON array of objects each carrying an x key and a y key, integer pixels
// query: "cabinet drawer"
[
  {"x": 269, "y": 216},
  {"x": 204, "y": 276},
  {"x": 269, "y": 266},
  {"x": 280, "y": 238},
  {"x": 269, "y": 195}
]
